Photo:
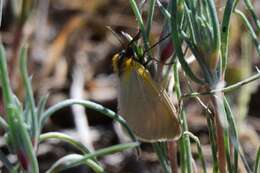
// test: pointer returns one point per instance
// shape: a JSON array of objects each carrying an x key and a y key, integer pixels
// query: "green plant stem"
[
  {"x": 6, "y": 90},
  {"x": 98, "y": 153},
  {"x": 250, "y": 29},
  {"x": 177, "y": 42},
  {"x": 227, "y": 151},
  {"x": 66, "y": 138},
  {"x": 1, "y": 11},
  {"x": 21, "y": 140},
  {"x": 196, "y": 139},
  {"x": 212, "y": 138},
  {"x": 89, "y": 105},
  {"x": 257, "y": 161},
  {"x": 150, "y": 17},
  {"x": 29, "y": 93},
  {"x": 230, "y": 5},
  {"x": 226, "y": 89},
  {"x": 243, "y": 158},
  {"x": 56, "y": 135},
  {"x": 65, "y": 163},
  {"x": 183, "y": 156},
  {"x": 163, "y": 10},
  {"x": 209, "y": 78},
  {"x": 161, "y": 157},
  {"x": 250, "y": 7},
  {"x": 190, "y": 24},
  {"x": 141, "y": 25},
  {"x": 215, "y": 25},
  {"x": 184, "y": 141},
  {"x": 17, "y": 132},
  {"x": 233, "y": 134}
]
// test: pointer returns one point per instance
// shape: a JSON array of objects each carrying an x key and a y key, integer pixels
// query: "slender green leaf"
[
  {"x": 89, "y": 105},
  {"x": 66, "y": 138},
  {"x": 250, "y": 7},
  {"x": 212, "y": 138},
  {"x": 78, "y": 160},
  {"x": 233, "y": 133},
  {"x": 201, "y": 156},
  {"x": 68, "y": 161},
  {"x": 257, "y": 161},
  {"x": 150, "y": 17},
  {"x": 29, "y": 94},
  {"x": 250, "y": 29},
  {"x": 163, "y": 10},
  {"x": 230, "y": 5},
  {"x": 161, "y": 157},
  {"x": 141, "y": 25},
  {"x": 184, "y": 140}
]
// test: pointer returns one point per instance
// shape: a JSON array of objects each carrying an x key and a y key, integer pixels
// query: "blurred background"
[{"x": 70, "y": 52}]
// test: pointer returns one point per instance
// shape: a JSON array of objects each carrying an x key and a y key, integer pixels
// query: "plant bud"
[
  {"x": 166, "y": 46},
  {"x": 23, "y": 160}
]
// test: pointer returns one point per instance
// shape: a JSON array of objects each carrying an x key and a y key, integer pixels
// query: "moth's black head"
[
  {"x": 125, "y": 54},
  {"x": 129, "y": 52}
]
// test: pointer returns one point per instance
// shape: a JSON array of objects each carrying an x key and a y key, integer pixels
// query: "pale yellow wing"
[{"x": 146, "y": 107}]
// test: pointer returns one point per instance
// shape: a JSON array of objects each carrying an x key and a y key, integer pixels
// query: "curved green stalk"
[
  {"x": 102, "y": 152},
  {"x": 250, "y": 7},
  {"x": 65, "y": 163},
  {"x": 89, "y": 105},
  {"x": 163, "y": 10},
  {"x": 186, "y": 148},
  {"x": 66, "y": 138},
  {"x": 250, "y": 29},
  {"x": 5, "y": 83},
  {"x": 29, "y": 94},
  {"x": 230, "y": 5},
  {"x": 227, "y": 89},
  {"x": 196, "y": 139},
  {"x": 92, "y": 162},
  {"x": 177, "y": 42},
  {"x": 1, "y": 12},
  {"x": 161, "y": 157},
  {"x": 141, "y": 25},
  {"x": 257, "y": 161},
  {"x": 18, "y": 133},
  {"x": 150, "y": 17},
  {"x": 233, "y": 133},
  {"x": 215, "y": 25},
  {"x": 212, "y": 138}
]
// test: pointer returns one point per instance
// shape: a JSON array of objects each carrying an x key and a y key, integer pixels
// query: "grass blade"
[
  {"x": 89, "y": 105},
  {"x": 257, "y": 161},
  {"x": 102, "y": 152}
]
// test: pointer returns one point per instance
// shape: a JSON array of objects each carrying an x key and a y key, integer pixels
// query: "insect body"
[{"x": 142, "y": 102}]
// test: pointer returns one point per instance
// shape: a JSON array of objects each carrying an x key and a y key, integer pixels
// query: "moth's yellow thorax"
[
  {"x": 115, "y": 62},
  {"x": 122, "y": 65},
  {"x": 128, "y": 64}
]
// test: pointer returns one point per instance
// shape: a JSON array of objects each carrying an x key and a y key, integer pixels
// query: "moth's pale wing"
[{"x": 146, "y": 107}]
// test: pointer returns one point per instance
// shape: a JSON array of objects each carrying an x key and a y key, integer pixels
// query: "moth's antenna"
[
  {"x": 116, "y": 35},
  {"x": 158, "y": 42}
]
